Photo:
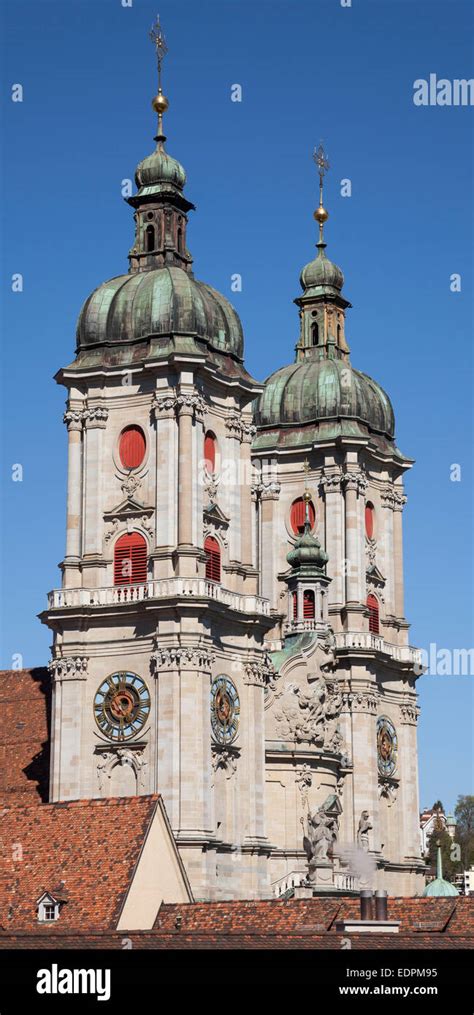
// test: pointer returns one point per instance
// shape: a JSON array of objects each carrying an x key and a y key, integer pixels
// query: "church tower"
[
  {"x": 158, "y": 665},
  {"x": 341, "y": 708}
]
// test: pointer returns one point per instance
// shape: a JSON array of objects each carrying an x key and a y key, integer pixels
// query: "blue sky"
[{"x": 308, "y": 71}]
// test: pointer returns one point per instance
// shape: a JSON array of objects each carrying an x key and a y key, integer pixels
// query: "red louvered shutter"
[
  {"x": 210, "y": 453},
  {"x": 308, "y": 604},
  {"x": 369, "y": 520},
  {"x": 297, "y": 515},
  {"x": 132, "y": 447},
  {"x": 374, "y": 625},
  {"x": 130, "y": 560},
  {"x": 295, "y": 605},
  {"x": 213, "y": 559}
]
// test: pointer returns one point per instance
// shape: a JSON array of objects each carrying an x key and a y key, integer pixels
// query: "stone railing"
[
  {"x": 160, "y": 588},
  {"x": 343, "y": 881},
  {"x": 376, "y": 643}
]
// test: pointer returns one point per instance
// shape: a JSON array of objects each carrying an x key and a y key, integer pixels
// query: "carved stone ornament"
[
  {"x": 304, "y": 780},
  {"x": 74, "y": 418},
  {"x": 310, "y": 714},
  {"x": 409, "y": 714},
  {"x": 130, "y": 485},
  {"x": 113, "y": 756},
  {"x": 96, "y": 417},
  {"x": 360, "y": 701},
  {"x": 224, "y": 759},
  {"x": 356, "y": 480},
  {"x": 322, "y": 831},
  {"x": 370, "y": 551},
  {"x": 393, "y": 498},
  {"x": 198, "y": 657},
  {"x": 266, "y": 491},
  {"x": 190, "y": 401},
  {"x": 331, "y": 480},
  {"x": 388, "y": 789},
  {"x": 69, "y": 668},
  {"x": 132, "y": 522},
  {"x": 260, "y": 671}
]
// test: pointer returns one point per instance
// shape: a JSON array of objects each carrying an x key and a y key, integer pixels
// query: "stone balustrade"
[{"x": 162, "y": 588}]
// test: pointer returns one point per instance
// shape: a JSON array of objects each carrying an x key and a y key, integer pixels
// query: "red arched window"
[
  {"x": 308, "y": 604},
  {"x": 132, "y": 447},
  {"x": 213, "y": 559},
  {"x": 369, "y": 520},
  {"x": 295, "y": 605},
  {"x": 130, "y": 560},
  {"x": 210, "y": 452},
  {"x": 373, "y": 605},
  {"x": 297, "y": 515}
]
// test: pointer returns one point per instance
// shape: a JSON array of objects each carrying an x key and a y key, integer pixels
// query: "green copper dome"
[
  {"x": 314, "y": 390},
  {"x": 162, "y": 302},
  {"x": 439, "y": 887},
  {"x": 321, "y": 273},
  {"x": 158, "y": 171}
]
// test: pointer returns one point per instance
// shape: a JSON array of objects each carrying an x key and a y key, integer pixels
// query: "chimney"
[
  {"x": 366, "y": 905},
  {"x": 381, "y": 911}
]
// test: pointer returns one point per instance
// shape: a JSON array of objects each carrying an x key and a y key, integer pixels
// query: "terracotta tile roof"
[
  {"x": 25, "y": 710},
  {"x": 87, "y": 847}
]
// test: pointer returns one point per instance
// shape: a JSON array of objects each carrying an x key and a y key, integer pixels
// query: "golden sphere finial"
[
  {"x": 160, "y": 103},
  {"x": 321, "y": 215}
]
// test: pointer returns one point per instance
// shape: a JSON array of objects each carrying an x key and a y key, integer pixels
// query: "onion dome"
[
  {"x": 317, "y": 390},
  {"x": 154, "y": 304},
  {"x": 439, "y": 887},
  {"x": 158, "y": 172},
  {"x": 321, "y": 272}
]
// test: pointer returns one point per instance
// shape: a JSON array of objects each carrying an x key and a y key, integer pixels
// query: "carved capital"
[
  {"x": 96, "y": 417},
  {"x": 68, "y": 668},
  {"x": 359, "y": 701},
  {"x": 393, "y": 498},
  {"x": 164, "y": 405},
  {"x": 331, "y": 480},
  {"x": 409, "y": 714},
  {"x": 171, "y": 657},
  {"x": 74, "y": 419},
  {"x": 190, "y": 403},
  {"x": 266, "y": 491},
  {"x": 356, "y": 480}
]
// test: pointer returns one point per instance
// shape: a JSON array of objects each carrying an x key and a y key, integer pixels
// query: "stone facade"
[{"x": 253, "y": 720}]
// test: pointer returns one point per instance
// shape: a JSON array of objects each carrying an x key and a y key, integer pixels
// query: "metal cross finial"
[
  {"x": 321, "y": 160},
  {"x": 158, "y": 39}
]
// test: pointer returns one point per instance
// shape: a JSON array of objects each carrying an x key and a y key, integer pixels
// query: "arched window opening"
[
  {"x": 369, "y": 520},
  {"x": 297, "y": 515},
  {"x": 210, "y": 446},
  {"x": 294, "y": 598},
  {"x": 130, "y": 560},
  {"x": 374, "y": 620},
  {"x": 132, "y": 447},
  {"x": 308, "y": 604},
  {"x": 150, "y": 239},
  {"x": 338, "y": 334},
  {"x": 180, "y": 240},
  {"x": 315, "y": 333},
  {"x": 213, "y": 559}
]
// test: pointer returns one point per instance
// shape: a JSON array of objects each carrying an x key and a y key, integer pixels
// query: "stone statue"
[
  {"x": 322, "y": 832},
  {"x": 363, "y": 831}
]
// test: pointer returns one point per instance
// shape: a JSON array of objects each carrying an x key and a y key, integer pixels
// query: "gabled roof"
[{"x": 92, "y": 847}]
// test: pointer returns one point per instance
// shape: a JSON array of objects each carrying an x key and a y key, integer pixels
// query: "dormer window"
[{"x": 48, "y": 908}]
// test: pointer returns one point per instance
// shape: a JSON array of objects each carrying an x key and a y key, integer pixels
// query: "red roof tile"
[
  {"x": 89, "y": 847},
  {"x": 25, "y": 710}
]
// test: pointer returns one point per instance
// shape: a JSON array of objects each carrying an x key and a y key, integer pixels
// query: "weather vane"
[
  {"x": 160, "y": 102},
  {"x": 322, "y": 164},
  {"x": 158, "y": 39}
]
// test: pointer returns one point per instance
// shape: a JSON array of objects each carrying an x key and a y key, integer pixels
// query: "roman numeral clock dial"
[{"x": 121, "y": 706}]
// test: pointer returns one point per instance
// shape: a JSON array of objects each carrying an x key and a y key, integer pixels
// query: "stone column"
[
  {"x": 334, "y": 528},
  {"x": 269, "y": 496},
  {"x": 355, "y": 484},
  {"x": 387, "y": 501},
  {"x": 408, "y": 760},
  {"x": 184, "y": 771},
  {"x": 188, "y": 403},
  {"x": 95, "y": 423},
  {"x": 363, "y": 748},
  {"x": 69, "y": 676},
  {"x": 254, "y": 752},
  {"x": 399, "y": 502},
  {"x": 248, "y": 434},
  {"x": 74, "y": 419},
  {"x": 164, "y": 407}
]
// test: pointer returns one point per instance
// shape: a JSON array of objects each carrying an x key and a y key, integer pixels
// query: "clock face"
[
  {"x": 121, "y": 706},
  {"x": 387, "y": 746},
  {"x": 225, "y": 710}
]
